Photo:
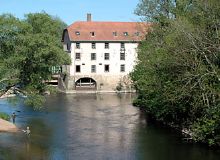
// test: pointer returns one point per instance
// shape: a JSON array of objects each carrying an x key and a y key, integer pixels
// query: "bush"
[{"x": 4, "y": 116}]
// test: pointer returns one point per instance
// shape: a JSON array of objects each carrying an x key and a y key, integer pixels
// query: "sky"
[{"x": 74, "y": 10}]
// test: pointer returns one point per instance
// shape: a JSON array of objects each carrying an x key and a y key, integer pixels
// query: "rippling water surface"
[{"x": 93, "y": 127}]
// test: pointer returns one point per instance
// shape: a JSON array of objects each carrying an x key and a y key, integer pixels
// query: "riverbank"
[
  {"x": 95, "y": 91},
  {"x": 6, "y": 126}
]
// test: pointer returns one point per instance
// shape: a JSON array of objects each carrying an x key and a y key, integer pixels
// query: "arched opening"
[{"x": 85, "y": 83}]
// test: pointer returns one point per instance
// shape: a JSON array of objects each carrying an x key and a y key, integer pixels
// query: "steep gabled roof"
[{"x": 107, "y": 31}]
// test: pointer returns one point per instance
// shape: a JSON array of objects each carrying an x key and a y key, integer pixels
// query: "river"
[{"x": 93, "y": 127}]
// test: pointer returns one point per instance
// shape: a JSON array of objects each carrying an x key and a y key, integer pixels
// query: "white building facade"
[{"x": 102, "y": 54}]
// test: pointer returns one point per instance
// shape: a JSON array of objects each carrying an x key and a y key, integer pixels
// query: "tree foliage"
[
  {"x": 28, "y": 49},
  {"x": 178, "y": 73}
]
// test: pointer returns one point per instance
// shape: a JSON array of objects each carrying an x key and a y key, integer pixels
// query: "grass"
[{"x": 4, "y": 116}]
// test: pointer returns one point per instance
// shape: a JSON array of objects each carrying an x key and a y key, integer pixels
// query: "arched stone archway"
[{"x": 86, "y": 83}]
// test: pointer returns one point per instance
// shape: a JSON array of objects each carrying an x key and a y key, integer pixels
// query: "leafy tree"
[
  {"x": 29, "y": 48},
  {"x": 178, "y": 73},
  {"x": 155, "y": 10}
]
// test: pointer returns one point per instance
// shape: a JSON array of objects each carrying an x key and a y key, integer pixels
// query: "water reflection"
[
  {"x": 104, "y": 129},
  {"x": 92, "y": 126}
]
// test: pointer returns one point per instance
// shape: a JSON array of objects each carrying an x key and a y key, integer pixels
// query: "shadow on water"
[
  {"x": 93, "y": 126},
  {"x": 159, "y": 142}
]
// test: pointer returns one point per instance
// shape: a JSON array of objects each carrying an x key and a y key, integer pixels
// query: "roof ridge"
[{"x": 106, "y": 22}]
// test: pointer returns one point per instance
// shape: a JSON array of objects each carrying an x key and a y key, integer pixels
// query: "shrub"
[{"x": 4, "y": 116}]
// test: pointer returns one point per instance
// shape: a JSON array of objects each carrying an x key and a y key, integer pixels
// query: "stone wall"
[{"x": 110, "y": 83}]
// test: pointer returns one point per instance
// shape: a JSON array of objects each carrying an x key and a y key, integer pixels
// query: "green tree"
[
  {"x": 177, "y": 76},
  {"x": 29, "y": 48},
  {"x": 155, "y": 10}
]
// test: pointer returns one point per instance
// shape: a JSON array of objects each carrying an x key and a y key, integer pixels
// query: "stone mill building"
[{"x": 102, "y": 54}]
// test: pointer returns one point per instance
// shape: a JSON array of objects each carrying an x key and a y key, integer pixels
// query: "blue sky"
[{"x": 74, "y": 10}]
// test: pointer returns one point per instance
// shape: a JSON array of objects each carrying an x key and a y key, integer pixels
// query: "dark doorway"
[{"x": 85, "y": 83}]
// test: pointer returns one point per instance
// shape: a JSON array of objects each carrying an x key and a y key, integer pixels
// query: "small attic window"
[
  {"x": 125, "y": 33},
  {"x": 114, "y": 33},
  {"x": 137, "y": 33},
  {"x": 77, "y": 33},
  {"x": 92, "y": 34}
]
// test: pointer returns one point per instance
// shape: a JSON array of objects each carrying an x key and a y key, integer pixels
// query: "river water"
[{"x": 93, "y": 127}]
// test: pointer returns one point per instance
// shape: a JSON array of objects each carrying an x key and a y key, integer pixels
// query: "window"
[
  {"x": 93, "y": 68},
  {"x": 122, "y": 56},
  {"x": 77, "y": 45},
  {"x": 56, "y": 69},
  {"x": 65, "y": 47},
  {"x": 114, "y": 33},
  {"x": 93, "y": 56},
  {"x": 125, "y": 33},
  {"x": 78, "y": 56},
  {"x": 77, "y": 33},
  {"x": 122, "y": 45},
  {"x": 106, "y": 45},
  {"x": 122, "y": 68},
  {"x": 93, "y": 46},
  {"x": 106, "y": 68},
  {"x": 106, "y": 56},
  {"x": 137, "y": 33},
  {"x": 77, "y": 68},
  {"x": 92, "y": 34}
]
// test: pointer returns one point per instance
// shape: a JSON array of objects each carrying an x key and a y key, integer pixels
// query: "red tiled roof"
[{"x": 104, "y": 31}]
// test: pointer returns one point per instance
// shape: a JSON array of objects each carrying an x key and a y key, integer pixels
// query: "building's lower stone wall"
[{"x": 110, "y": 83}]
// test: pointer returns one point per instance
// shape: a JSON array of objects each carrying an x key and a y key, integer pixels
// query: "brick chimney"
[{"x": 89, "y": 17}]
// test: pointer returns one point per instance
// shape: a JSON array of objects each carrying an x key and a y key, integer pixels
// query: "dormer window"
[
  {"x": 92, "y": 34},
  {"x": 114, "y": 33},
  {"x": 125, "y": 33},
  {"x": 137, "y": 33},
  {"x": 77, "y": 33}
]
